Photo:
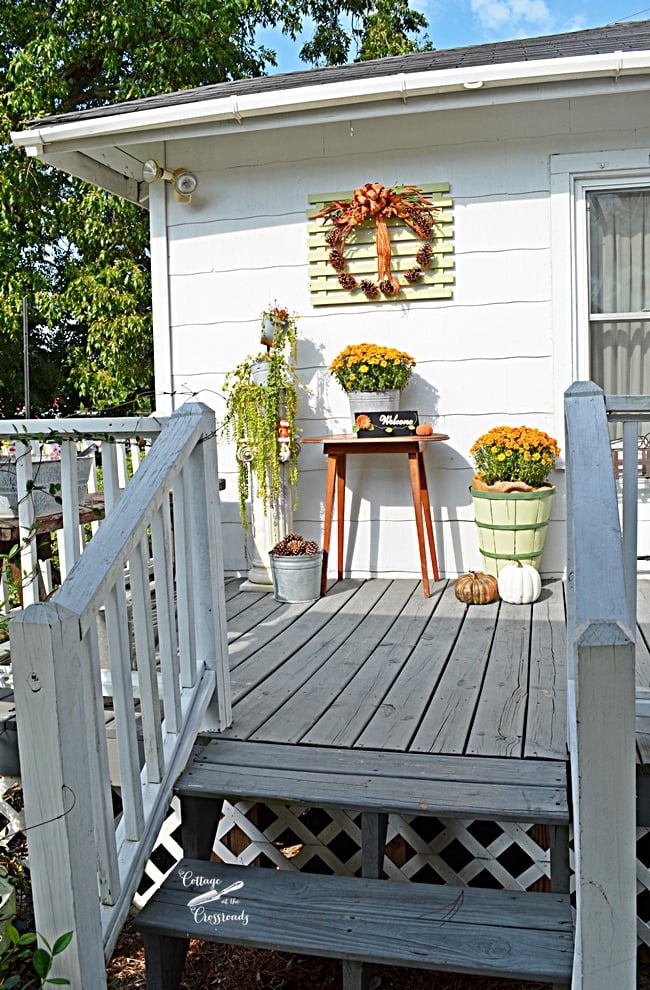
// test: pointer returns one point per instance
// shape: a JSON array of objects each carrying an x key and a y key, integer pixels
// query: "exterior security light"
[
  {"x": 183, "y": 182},
  {"x": 151, "y": 171}
]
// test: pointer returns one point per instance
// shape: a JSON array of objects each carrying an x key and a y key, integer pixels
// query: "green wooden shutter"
[{"x": 361, "y": 256}]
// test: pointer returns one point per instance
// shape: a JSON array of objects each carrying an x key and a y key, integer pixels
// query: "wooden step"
[
  {"x": 367, "y": 780},
  {"x": 509, "y": 934}
]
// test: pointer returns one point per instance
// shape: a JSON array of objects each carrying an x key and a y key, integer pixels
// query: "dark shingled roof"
[{"x": 632, "y": 36}]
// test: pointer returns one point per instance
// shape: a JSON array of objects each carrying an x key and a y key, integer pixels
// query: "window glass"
[
  {"x": 619, "y": 251},
  {"x": 619, "y": 283}
]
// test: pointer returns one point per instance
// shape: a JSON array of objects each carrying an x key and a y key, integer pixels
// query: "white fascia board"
[{"x": 145, "y": 123}]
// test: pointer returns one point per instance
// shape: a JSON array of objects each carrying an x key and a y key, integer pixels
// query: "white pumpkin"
[{"x": 519, "y": 583}]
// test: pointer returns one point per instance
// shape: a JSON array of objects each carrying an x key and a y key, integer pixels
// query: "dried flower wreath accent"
[{"x": 374, "y": 203}]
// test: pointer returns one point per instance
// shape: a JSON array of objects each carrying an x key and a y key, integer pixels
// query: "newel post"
[
  {"x": 50, "y": 708},
  {"x": 601, "y": 705},
  {"x": 207, "y": 561}
]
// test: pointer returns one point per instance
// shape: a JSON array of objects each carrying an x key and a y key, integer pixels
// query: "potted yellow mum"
[
  {"x": 512, "y": 498},
  {"x": 372, "y": 375}
]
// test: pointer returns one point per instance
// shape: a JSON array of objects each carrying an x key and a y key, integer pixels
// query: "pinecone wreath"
[{"x": 375, "y": 203}]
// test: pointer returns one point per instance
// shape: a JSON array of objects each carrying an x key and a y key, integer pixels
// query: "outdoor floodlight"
[{"x": 182, "y": 181}]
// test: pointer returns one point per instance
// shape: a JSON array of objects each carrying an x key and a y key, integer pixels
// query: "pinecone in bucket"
[{"x": 293, "y": 545}]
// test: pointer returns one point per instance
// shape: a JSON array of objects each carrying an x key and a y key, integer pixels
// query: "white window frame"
[{"x": 572, "y": 177}]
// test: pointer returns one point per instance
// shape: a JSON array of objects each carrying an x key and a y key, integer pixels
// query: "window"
[{"x": 619, "y": 289}]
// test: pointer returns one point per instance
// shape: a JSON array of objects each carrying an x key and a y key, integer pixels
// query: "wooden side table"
[{"x": 337, "y": 447}]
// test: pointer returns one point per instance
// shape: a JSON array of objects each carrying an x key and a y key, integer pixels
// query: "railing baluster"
[
  {"x": 127, "y": 741},
  {"x": 107, "y": 866},
  {"x": 146, "y": 660},
  {"x": 26, "y": 520},
  {"x": 630, "y": 512},
  {"x": 162, "y": 560},
  {"x": 122, "y": 473},
  {"x": 111, "y": 479},
  {"x": 184, "y": 581},
  {"x": 71, "y": 548}
]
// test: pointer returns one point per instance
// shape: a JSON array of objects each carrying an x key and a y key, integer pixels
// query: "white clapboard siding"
[{"x": 56, "y": 646}]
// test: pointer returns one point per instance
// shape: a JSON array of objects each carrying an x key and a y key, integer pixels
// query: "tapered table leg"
[
  {"x": 329, "y": 506},
  {"x": 340, "y": 508},
  {"x": 426, "y": 508},
  {"x": 414, "y": 471}
]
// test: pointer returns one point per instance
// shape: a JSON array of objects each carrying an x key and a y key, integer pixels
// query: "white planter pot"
[{"x": 260, "y": 372}]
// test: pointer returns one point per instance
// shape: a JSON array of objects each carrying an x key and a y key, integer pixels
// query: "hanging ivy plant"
[
  {"x": 374, "y": 203},
  {"x": 261, "y": 409}
]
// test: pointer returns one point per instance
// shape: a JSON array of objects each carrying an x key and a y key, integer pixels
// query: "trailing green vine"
[{"x": 261, "y": 417}]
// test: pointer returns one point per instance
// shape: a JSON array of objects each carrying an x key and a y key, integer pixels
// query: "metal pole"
[{"x": 26, "y": 357}]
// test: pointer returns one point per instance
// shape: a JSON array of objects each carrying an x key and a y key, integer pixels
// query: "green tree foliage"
[{"x": 78, "y": 253}]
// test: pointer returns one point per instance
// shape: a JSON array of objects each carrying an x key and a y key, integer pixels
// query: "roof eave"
[{"x": 289, "y": 103}]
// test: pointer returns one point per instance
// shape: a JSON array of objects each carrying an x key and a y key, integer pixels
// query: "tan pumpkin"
[{"x": 476, "y": 588}]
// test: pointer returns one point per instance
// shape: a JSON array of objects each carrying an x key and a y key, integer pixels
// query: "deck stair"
[{"x": 498, "y": 933}]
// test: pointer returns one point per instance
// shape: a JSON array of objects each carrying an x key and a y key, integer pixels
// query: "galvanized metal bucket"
[{"x": 296, "y": 579}]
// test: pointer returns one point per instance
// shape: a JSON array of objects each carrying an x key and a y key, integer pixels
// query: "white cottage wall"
[{"x": 495, "y": 353}]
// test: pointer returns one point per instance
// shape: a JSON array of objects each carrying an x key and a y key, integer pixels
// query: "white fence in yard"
[
  {"x": 122, "y": 442},
  {"x": 601, "y": 693},
  {"x": 163, "y": 650}
]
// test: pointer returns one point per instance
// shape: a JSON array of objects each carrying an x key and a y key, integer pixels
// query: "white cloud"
[{"x": 515, "y": 15}]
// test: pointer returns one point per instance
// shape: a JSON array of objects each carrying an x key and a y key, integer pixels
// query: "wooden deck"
[{"x": 375, "y": 665}]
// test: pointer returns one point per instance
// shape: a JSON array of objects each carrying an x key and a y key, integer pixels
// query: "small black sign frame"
[{"x": 391, "y": 423}]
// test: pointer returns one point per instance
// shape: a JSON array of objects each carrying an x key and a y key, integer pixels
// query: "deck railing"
[
  {"x": 601, "y": 711},
  {"x": 163, "y": 646},
  {"x": 121, "y": 441}
]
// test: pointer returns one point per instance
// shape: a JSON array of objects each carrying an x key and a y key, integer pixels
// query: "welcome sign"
[{"x": 400, "y": 423}]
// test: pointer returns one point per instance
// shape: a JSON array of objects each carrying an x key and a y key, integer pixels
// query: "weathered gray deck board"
[
  {"x": 373, "y": 780},
  {"x": 547, "y": 711},
  {"x": 398, "y": 715},
  {"x": 286, "y": 663},
  {"x": 304, "y": 708},
  {"x": 498, "y": 727},
  {"x": 241, "y": 602},
  {"x": 348, "y": 715},
  {"x": 374, "y": 665},
  {"x": 523, "y": 935},
  {"x": 447, "y": 721}
]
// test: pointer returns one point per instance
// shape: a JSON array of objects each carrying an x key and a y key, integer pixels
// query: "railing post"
[
  {"x": 601, "y": 712},
  {"x": 50, "y": 700},
  {"x": 207, "y": 562}
]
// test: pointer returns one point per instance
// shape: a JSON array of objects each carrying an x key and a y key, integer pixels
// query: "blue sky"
[{"x": 453, "y": 23}]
